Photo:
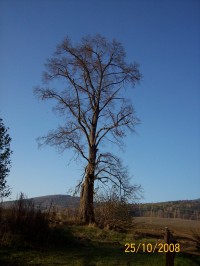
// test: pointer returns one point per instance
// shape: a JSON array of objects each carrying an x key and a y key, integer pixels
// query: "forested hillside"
[{"x": 184, "y": 209}]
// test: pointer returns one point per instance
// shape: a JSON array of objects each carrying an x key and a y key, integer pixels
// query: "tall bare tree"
[{"x": 92, "y": 101}]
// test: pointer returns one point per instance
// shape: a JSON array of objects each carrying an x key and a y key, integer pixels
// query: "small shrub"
[
  {"x": 67, "y": 216},
  {"x": 111, "y": 212}
]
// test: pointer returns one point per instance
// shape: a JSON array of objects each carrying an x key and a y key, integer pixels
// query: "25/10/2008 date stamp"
[{"x": 151, "y": 248}]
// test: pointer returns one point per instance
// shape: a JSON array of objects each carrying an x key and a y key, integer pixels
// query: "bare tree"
[{"x": 95, "y": 109}]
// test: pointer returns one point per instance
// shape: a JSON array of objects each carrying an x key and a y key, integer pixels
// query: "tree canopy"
[{"x": 94, "y": 75}]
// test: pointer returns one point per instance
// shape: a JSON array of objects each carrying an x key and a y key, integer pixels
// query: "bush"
[
  {"x": 112, "y": 212},
  {"x": 70, "y": 216},
  {"x": 22, "y": 220}
]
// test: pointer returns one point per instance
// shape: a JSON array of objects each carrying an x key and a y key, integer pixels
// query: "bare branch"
[{"x": 94, "y": 109}]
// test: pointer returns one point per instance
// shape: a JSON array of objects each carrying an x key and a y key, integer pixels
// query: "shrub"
[
  {"x": 22, "y": 220},
  {"x": 112, "y": 212}
]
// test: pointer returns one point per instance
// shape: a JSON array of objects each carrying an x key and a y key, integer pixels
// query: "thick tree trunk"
[
  {"x": 86, "y": 201},
  {"x": 87, "y": 190}
]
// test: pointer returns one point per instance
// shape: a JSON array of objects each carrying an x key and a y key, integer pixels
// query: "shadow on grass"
[
  {"x": 183, "y": 259},
  {"x": 63, "y": 248},
  {"x": 81, "y": 254},
  {"x": 88, "y": 256}
]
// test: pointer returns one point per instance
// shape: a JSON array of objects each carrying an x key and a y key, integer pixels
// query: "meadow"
[
  {"x": 87, "y": 245},
  {"x": 31, "y": 237}
]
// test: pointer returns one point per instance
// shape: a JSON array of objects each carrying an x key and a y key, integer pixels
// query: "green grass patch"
[
  {"x": 87, "y": 246},
  {"x": 86, "y": 255}
]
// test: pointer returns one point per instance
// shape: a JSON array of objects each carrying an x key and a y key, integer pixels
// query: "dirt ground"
[{"x": 184, "y": 231}]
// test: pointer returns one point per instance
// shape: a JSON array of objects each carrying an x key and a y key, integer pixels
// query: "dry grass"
[
  {"x": 183, "y": 230},
  {"x": 180, "y": 227},
  {"x": 21, "y": 222}
]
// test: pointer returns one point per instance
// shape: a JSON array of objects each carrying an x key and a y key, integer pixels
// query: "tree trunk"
[
  {"x": 86, "y": 210},
  {"x": 86, "y": 201}
]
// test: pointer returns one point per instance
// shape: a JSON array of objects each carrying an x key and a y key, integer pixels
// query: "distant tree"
[
  {"x": 93, "y": 74},
  {"x": 5, "y": 161}
]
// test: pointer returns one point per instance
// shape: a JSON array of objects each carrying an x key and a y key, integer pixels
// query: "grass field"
[
  {"x": 85, "y": 245},
  {"x": 89, "y": 256},
  {"x": 183, "y": 230}
]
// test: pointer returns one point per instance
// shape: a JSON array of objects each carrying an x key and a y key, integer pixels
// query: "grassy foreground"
[
  {"x": 82, "y": 246},
  {"x": 88, "y": 256}
]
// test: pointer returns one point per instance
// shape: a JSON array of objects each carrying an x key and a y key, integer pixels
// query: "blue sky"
[{"x": 162, "y": 36}]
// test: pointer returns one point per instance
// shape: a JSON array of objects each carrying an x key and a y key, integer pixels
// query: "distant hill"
[
  {"x": 59, "y": 201},
  {"x": 44, "y": 202},
  {"x": 184, "y": 209}
]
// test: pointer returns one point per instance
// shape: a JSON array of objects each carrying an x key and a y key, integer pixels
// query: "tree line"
[{"x": 177, "y": 209}]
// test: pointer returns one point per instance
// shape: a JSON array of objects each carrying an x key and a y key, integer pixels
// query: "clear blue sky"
[{"x": 162, "y": 36}]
